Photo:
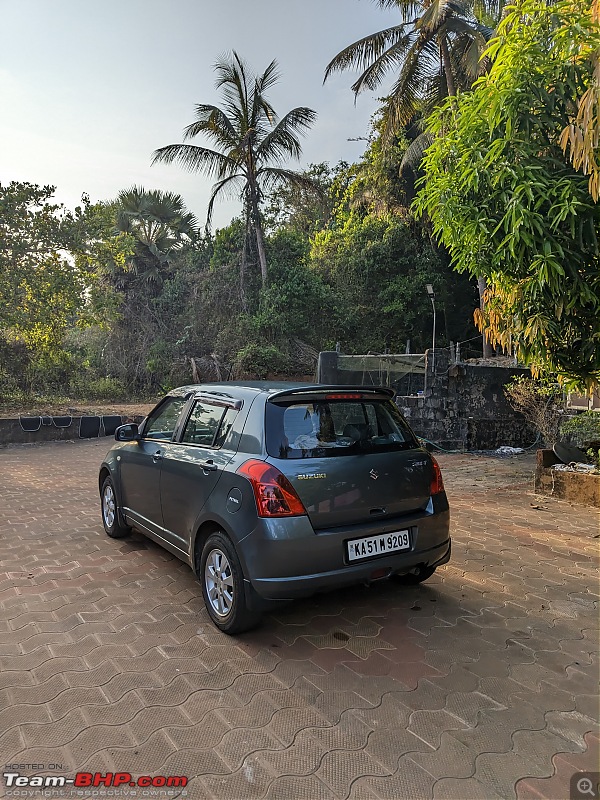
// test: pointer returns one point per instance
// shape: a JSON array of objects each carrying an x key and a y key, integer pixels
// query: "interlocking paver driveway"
[{"x": 481, "y": 683}]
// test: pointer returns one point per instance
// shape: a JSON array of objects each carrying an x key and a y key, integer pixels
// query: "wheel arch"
[
  {"x": 204, "y": 530},
  {"x": 104, "y": 474}
]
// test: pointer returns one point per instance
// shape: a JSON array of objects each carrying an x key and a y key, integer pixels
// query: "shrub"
[
  {"x": 259, "y": 361},
  {"x": 88, "y": 388},
  {"x": 541, "y": 404},
  {"x": 583, "y": 429}
]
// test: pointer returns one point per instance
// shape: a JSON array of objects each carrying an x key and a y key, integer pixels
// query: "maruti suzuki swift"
[{"x": 273, "y": 491}]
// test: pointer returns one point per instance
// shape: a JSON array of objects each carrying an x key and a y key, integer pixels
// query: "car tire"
[
  {"x": 110, "y": 512},
  {"x": 222, "y": 580},
  {"x": 413, "y": 578}
]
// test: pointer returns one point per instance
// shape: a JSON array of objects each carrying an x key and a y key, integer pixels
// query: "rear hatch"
[{"x": 350, "y": 455}]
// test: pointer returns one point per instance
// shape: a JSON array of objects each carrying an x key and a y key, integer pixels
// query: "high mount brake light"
[
  {"x": 275, "y": 495},
  {"x": 437, "y": 483},
  {"x": 344, "y": 396}
]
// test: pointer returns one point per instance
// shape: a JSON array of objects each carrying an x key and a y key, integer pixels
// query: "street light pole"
[{"x": 431, "y": 294}]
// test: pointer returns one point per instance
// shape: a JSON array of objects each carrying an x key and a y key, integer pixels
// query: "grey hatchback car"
[{"x": 272, "y": 491}]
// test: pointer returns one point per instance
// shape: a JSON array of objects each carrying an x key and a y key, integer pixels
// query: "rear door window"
[
  {"x": 203, "y": 424},
  {"x": 335, "y": 428},
  {"x": 208, "y": 425}
]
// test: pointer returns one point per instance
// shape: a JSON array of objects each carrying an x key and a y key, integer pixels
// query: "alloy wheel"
[
  {"x": 108, "y": 505},
  {"x": 218, "y": 580}
]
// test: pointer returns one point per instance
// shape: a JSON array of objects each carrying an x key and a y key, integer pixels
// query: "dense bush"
[
  {"x": 583, "y": 429},
  {"x": 261, "y": 361}
]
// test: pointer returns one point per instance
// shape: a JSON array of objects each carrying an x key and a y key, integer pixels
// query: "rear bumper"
[
  {"x": 286, "y": 559},
  {"x": 306, "y": 585}
]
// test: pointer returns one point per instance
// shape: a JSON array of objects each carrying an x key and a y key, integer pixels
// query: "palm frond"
[
  {"x": 433, "y": 16},
  {"x": 268, "y": 79},
  {"x": 213, "y": 121},
  {"x": 272, "y": 177},
  {"x": 465, "y": 54},
  {"x": 195, "y": 158},
  {"x": 488, "y": 11},
  {"x": 404, "y": 101},
  {"x": 233, "y": 79},
  {"x": 464, "y": 27},
  {"x": 227, "y": 186},
  {"x": 282, "y": 141},
  {"x": 406, "y": 7},
  {"x": 362, "y": 53},
  {"x": 373, "y": 75},
  {"x": 414, "y": 152}
]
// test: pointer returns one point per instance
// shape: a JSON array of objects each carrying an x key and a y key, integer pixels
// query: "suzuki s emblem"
[{"x": 374, "y": 474}]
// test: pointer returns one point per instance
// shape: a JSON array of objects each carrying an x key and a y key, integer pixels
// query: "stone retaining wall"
[
  {"x": 575, "y": 487},
  {"x": 462, "y": 406}
]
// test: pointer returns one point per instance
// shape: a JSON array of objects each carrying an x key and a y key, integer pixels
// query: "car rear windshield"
[{"x": 314, "y": 429}]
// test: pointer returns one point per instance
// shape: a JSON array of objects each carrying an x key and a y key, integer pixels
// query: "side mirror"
[{"x": 127, "y": 433}]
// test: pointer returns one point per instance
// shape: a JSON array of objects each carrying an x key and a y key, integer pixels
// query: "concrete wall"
[
  {"x": 11, "y": 430},
  {"x": 462, "y": 406}
]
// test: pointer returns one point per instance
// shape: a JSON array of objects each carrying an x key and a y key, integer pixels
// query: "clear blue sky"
[{"x": 89, "y": 88}]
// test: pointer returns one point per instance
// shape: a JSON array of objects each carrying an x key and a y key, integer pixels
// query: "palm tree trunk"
[
  {"x": 258, "y": 232},
  {"x": 244, "y": 264},
  {"x": 262, "y": 256},
  {"x": 445, "y": 53}
]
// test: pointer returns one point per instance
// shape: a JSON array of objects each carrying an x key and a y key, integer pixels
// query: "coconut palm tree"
[
  {"x": 250, "y": 144},
  {"x": 160, "y": 225},
  {"x": 435, "y": 49}
]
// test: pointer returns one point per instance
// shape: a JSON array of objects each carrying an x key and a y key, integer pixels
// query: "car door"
[
  {"x": 192, "y": 467},
  {"x": 140, "y": 466}
]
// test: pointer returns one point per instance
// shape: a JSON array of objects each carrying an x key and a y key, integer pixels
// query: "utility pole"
[{"x": 431, "y": 294}]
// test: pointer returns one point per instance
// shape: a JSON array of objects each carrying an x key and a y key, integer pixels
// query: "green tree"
[
  {"x": 251, "y": 144},
  {"x": 159, "y": 224},
  {"x": 42, "y": 291},
  {"x": 507, "y": 202},
  {"x": 378, "y": 266},
  {"x": 581, "y": 137},
  {"x": 303, "y": 208}
]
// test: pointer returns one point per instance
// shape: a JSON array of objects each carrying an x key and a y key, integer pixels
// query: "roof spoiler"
[{"x": 334, "y": 392}]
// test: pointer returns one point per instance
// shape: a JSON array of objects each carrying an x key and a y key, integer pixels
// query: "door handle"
[
  {"x": 158, "y": 456},
  {"x": 209, "y": 466}
]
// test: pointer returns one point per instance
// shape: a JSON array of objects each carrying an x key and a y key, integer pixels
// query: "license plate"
[{"x": 369, "y": 546}]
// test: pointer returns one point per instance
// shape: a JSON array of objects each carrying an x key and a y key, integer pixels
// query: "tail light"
[
  {"x": 437, "y": 484},
  {"x": 275, "y": 495}
]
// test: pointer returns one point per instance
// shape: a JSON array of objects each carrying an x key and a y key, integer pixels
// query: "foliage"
[
  {"x": 346, "y": 263},
  {"x": 101, "y": 388},
  {"x": 506, "y": 203},
  {"x": 41, "y": 291},
  {"x": 540, "y": 402},
  {"x": 260, "y": 361},
  {"x": 593, "y": 455},
  {"x": 581, "y": 137},
  {"x": 582, "y": 429},
  {"x": 303, "y": 208},
  {"x": 296, "y": 303},
  {"x": 435, "y": 49},
  {"x": 378, "y": 266},
  {"x": 251, "y": 143},
  {"x": 159, "y": 224}
]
